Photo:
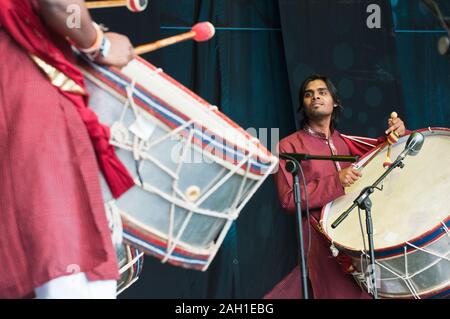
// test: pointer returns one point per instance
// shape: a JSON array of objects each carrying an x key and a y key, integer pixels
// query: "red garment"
[
  {"x": 53, "y": 221},
  {"x": 21, "y": 21},
  {"x": 327, "y": 279},
  {"x": 359, "y": 146}
]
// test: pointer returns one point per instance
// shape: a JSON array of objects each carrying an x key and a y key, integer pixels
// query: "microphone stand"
[
  {"x": 363, "y": 202},
  {"x": 444, "y": 41},
  {"x": 293, "y": 166}
]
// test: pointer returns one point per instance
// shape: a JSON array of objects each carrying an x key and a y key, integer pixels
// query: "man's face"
[{"x": 317, "y": 100}]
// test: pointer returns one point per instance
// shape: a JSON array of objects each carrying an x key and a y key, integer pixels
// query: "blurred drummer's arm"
[{"x": 56, "y": 16}]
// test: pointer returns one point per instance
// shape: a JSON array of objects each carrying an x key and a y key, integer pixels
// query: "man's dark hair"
[{"x": 334, "y": 94}]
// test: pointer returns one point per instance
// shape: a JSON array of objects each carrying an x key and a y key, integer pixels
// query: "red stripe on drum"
[
  {"x": 205, "y": 104},
  {"x": 152, "y": 238},
  {"x": 120, "y": 90}
]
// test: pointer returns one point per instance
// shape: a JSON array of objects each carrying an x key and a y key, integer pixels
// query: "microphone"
[
  {"x": 432, "y": 6},
  {"x": 444, "y": 45},
  {"x": 413, "y": 145},
  {"x": 444, "y": 41}
]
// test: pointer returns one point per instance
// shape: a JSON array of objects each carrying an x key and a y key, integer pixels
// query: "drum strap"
[
  {"x": 315, "y": 223},
  {"x": 57, "y": 78}
]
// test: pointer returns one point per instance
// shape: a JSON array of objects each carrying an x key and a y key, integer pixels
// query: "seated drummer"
[
  {"x": 320, "y": 107},
  {"x": 54, "y": 235}
]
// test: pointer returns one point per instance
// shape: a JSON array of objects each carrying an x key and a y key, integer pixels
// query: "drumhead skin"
[{"x": 411, "y": 215}]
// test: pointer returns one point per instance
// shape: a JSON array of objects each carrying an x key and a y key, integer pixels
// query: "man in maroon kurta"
[
  {"x": 53, "y": 222},
  {"x": 325, "y": 181}
]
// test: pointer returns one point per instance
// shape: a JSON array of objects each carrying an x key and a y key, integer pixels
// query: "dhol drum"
[
  {"x": 411, "y": 218},
  {"x": 194, "y": 168},
  {"x": 130, "y": 261}
]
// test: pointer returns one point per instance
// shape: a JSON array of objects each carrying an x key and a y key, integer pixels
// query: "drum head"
[{"x": 414, "y": 200}]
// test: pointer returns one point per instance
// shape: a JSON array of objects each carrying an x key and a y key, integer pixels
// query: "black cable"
[
  {"x": 362, "y": 235},
  {"x": 434, "y": 8},
  {"x": 307, "y": 209}
]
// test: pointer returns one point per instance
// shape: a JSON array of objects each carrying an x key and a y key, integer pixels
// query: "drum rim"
[
  {"x": 150, "y": 237},
  {"x": 398, "y": 249},
  {"x": 264, "y": 160},
  {"x": 443, "y": 290},
  {"x": 206, "y": 104}
]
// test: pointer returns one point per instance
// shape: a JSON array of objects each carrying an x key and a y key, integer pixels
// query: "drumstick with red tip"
[
  {"x": 132, "y": 5},
  {"x": 200, "y": 32}
]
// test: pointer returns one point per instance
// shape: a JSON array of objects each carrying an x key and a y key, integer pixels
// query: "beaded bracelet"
[{"x": 101, "y": 45}]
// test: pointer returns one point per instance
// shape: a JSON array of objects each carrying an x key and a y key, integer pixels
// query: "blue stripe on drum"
[
  {"x": 419, "y": 243},
  {"x": 399, "y": 250},
  {"x": 445, "y": 293},
  {"x": 160, "y": 251},
  {"x": 139, "y": 262},
  {"x": 176, "y": 120}
]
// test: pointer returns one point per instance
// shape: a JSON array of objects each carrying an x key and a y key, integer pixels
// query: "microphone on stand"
[
  {"x": 444, "y": 41},
  {"x": 413, "y": 146}
]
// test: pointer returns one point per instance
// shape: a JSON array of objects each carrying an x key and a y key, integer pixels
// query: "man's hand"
[
  {"x": 121, "y": 52},
  {"x": 54, "y": 13},
  {"x": 348, "y": 176},
  {"x": 396, "y": 125}
]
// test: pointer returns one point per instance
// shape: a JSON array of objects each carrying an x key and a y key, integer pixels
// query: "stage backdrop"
[
  {"x": 241, "y": 70},
  {"x": 252, "y": 69},
  {"x": 352, "y": 42},
  {"x": 425, "y": 74}
]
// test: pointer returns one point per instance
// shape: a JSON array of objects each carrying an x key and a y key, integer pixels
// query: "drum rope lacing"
[
  {"x": 130, "y": 263},
  {"x": 362, "y": 278},
  {"x": 408, "y": 276},
  {"x": 127, "y": 266},
  {"x": 120, "y": 138}
]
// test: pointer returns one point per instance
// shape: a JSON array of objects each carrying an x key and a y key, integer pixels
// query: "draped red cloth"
[
  {"x": 359, "y": 146},
  {"x": 52, "y": 212},
  {"x": 21, "y": 21}
]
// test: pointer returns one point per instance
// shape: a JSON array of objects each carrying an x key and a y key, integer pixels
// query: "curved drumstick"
[
  {"x": 132, "y": 5},
  {"x": 391, "y": 139},
  {"x": 200, "y": 32}
]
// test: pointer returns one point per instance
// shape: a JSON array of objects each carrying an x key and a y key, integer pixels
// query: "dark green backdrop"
[{"x": 243, "y": 70}]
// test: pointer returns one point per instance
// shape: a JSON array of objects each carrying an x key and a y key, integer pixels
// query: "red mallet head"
[
  {"x": 137, "y": 5},
  {"x": 387, "y": 164},
  {"x": 203, "y": 31}
]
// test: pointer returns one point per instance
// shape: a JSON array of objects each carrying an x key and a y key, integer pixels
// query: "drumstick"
[
  {"x": 132, "y": 5},
  {"x": 200, "y": 32},
  {"x": 391, "y": 139}
]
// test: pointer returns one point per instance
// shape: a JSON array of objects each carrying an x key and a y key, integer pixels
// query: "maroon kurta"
[
  {"x": 51, "y": 208},
  {"x": 327, "y": 278}
]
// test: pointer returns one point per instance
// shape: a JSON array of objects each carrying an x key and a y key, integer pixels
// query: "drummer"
[
  {"x": 320, "y": 107},
  {"x": 55, "y": 240}
]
